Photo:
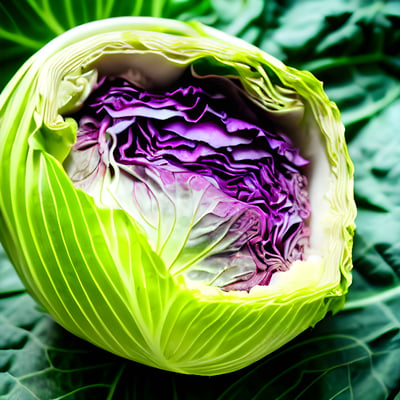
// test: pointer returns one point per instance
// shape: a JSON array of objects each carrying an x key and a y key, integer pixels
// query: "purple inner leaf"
[{"x": 195, "y": 130}]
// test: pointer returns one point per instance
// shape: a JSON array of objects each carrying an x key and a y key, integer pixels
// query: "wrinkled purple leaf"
[{"x": 251, "y": 192}]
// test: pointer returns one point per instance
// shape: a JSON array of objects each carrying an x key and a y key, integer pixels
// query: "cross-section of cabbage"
[
  {"x": 219, "y": 195},
  {"x": 173, "y": 194}
]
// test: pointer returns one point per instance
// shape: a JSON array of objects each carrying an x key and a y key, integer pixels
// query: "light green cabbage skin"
[{"x": 90, "y": 266}]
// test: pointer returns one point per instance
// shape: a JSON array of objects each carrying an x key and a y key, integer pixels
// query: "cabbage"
[{"x": 175, "y": 195}]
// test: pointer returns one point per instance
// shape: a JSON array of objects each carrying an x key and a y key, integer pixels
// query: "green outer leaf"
[{"x": 96, "y": 274}]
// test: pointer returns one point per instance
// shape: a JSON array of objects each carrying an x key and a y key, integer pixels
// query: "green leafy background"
[{"x": 354, "y": 48}]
